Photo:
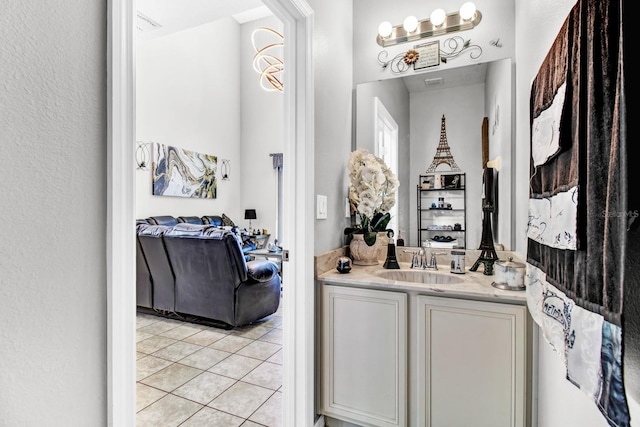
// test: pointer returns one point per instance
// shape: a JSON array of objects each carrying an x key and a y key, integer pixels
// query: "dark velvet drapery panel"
[
  {"x": 588, "y": 55},
  {"x": 581, "y": 212}
]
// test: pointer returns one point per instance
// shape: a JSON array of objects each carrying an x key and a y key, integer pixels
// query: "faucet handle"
[{"x": 414, "y": 258}]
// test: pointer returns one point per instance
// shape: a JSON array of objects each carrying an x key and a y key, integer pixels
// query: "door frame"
[
  {"x": 298, "y": 311},
  {"x": 381, "y": 116}
]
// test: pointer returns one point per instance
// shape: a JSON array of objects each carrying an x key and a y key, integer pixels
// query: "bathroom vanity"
[{"x": 414, "y": 347}]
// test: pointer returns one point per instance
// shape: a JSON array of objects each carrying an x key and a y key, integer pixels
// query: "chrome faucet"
[
  {"x": 423, "y": 258},
  {"x": 414, "y": 259},
  {"x": 433, "y": 264}
]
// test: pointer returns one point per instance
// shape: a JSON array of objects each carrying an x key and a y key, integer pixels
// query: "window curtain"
[
  {"x": 277, "y": 165},
  {"x": 578, "y": 204}
]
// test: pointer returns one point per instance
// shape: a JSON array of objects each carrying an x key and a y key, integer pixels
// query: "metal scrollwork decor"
[
  {"x": 451, "y": 48},
  {"x": 455, "y": 46},
  {"x": 397, "y": 64}
]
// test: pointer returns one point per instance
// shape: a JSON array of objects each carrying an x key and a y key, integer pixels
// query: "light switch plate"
[{"x": 321, "y": 207}]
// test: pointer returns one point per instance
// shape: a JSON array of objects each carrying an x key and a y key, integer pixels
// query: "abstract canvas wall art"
[{"x": 183, "y": 173}]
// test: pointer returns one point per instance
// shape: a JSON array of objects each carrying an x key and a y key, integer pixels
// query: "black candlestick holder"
[{"x": 488, "y": 255}]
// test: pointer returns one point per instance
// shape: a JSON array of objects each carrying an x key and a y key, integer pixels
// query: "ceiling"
[
  {"x": 447, "y": 78},
  {"x": 161, "y": 17}
]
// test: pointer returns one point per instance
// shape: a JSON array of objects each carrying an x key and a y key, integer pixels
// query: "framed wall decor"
[
  {"x": 183, "y": 173},
  {"x": 429, "y": 55}
]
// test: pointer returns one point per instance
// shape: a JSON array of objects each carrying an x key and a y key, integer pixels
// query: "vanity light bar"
[{"x": 453, "y": 22}]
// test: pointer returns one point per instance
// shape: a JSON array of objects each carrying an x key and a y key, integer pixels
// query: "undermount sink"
[{"x": 419, "y": 276}]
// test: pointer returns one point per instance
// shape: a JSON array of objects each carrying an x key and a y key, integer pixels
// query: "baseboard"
[{"x": 333, "y": 422}]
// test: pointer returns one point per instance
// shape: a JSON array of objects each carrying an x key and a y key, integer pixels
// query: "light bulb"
[
  {"x": 410, "y": 24},
  {"x": 467, "y": 10},
  {"x": 385, "y": 29},
  {"x": 437, "y": 17}
]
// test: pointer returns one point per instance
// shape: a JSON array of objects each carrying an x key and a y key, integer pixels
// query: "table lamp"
[{"x": 250, "y": 214}]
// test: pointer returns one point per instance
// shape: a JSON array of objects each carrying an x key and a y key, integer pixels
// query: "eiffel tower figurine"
[
  {"x": 488, "y": 255},
  {"x": 443, "y": 153}
]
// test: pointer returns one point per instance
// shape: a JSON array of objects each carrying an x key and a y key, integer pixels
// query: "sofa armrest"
[{"x": 261, "y": 270}]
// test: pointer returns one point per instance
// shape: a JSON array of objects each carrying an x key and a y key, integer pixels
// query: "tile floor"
[{"x": 192, "y": 375}]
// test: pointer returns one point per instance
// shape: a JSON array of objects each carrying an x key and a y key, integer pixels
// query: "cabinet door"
[
  {"x": 471, "y": 363},
  {"x": 364, "y": 355}
]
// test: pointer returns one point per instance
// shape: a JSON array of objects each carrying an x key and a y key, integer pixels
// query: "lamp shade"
[{"x": 250, "y": 214}]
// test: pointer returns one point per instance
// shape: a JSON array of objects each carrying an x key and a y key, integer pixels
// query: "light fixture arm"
[{"x": 453, "y": 22}]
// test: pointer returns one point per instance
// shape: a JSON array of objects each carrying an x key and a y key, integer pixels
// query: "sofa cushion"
[
  {"x": 186, "y": 229},
  {"x": 152, "y": 229},
  {"x": 231, "y": 240},
  {"x": 212, "y": 220},
  {"x": 162, "y": 220},
  {"x": 261, "y": 270},
  {"x": 190, "y": 219},
  {"x": 163, "y": 281}
]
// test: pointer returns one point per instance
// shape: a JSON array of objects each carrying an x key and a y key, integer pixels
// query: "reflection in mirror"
[{"x": 465, "y": 96}]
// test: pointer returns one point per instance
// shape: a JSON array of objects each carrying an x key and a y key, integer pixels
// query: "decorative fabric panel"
[
  {"x": 577, "y": 229},
  {"x": 545, "y": 136},
  {"x": 553, "y": 220}
]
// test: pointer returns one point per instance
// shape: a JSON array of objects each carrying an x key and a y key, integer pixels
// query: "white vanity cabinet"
[
  {"x": 364, "y": 356},
  {"x": 405, "y": 358},
  {"x": 471, "y": 364}
]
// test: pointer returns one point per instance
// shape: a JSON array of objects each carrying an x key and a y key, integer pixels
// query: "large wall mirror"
[{"x": 406, "y": 112}]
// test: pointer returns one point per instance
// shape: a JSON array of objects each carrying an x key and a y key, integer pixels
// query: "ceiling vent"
[
  {"x": 438, "y": 81},
  {"x": 145, "y": 24}
]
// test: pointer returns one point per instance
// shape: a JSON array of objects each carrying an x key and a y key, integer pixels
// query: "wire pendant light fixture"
[{"x": 267, "y": 60}]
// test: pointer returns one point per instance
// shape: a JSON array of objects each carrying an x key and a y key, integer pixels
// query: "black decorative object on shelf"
[
  {"x": 488, "y": 255},
  {"x": 391, "y": 262}
]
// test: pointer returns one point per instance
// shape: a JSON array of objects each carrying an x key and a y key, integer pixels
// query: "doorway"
[
  {"x": 228, "y": 112},
  {"x": 298, "y": 387},
  {"x": 386, "y": 143}
]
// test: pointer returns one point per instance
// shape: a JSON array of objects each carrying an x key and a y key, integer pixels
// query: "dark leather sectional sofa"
[{"x": 194, "y": 268}]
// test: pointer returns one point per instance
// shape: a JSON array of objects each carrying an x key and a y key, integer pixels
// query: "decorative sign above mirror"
[{"x": 429, "y": 55}]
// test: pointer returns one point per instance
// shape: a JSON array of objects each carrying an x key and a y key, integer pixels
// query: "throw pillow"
[{"x": 226, "y": 221}]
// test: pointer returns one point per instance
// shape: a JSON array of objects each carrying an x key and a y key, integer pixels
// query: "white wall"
[
  {"x": 333, "y": 68},
  {"x": 196, "y": 93},
  {"x": 262, "y": 133},
  {"x": 53, "y": 352},
  {"x": 188, "y": 96}
]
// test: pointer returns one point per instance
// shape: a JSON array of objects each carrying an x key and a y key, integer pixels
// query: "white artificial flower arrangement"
[{"x": 372, "y": 194}]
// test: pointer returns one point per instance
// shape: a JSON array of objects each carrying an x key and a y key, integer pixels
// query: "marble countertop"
[{"x": 472, "y": 284}]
